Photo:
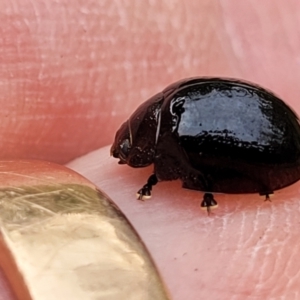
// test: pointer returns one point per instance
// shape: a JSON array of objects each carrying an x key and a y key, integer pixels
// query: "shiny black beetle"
[{"x": 216, "y": 135}]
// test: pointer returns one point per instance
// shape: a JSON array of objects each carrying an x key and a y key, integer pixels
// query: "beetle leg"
[
  {"x": 145, "y": 192},
  {"x": 267, "y": 195},
  {"x": 208, "y": 202}
]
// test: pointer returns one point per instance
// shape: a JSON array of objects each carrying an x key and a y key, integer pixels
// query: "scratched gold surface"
[{"x": 71, "y": 242}]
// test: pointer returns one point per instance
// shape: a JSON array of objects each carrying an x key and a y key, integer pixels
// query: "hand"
[{"x": 72, "y": 73}]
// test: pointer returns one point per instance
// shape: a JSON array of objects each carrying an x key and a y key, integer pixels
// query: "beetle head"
[{"x": 135, "y": 141}]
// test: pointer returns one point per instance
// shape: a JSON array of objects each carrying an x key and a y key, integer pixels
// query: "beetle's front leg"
[{"x": 145, "y": 192}]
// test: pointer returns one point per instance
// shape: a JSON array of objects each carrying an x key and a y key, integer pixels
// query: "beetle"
[{"x": 216, "y": 135}]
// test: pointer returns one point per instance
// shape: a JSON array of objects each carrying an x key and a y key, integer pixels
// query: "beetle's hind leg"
[
  {"x": 145, "y": 192},
  {"x": 267, "y": 195}
]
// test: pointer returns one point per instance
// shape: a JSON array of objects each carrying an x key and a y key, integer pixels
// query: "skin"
[{"x": 72, "y": 73}]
